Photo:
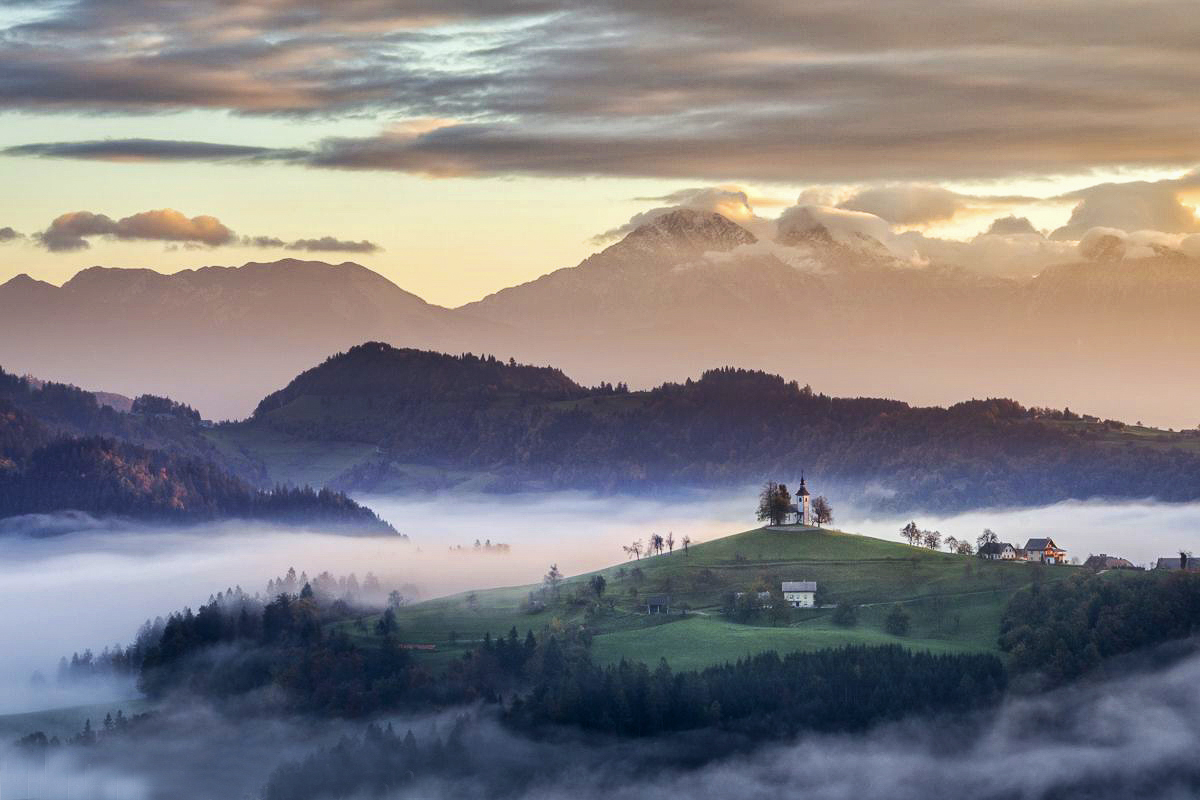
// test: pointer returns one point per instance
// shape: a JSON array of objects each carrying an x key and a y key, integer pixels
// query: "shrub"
[{"x": 897, "y": 621}]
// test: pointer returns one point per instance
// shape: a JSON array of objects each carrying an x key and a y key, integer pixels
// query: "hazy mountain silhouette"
[
  {"x": 685, "y": 292},
  {"x": 218, "y": 337}
]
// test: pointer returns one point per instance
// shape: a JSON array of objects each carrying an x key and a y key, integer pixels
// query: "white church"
[{"x": 803, "y": 507}]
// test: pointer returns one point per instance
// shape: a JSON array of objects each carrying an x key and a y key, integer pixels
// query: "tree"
[
  {"x": 656, "y": 543},
  {"x": 670, "y": 542},
  {"x": 911, "y": 533},
  {"x": 552, "y": 579},
  {"x": 897, "y": 621},
  {"x": 932, "y": 539},
  {"x": 951, "y": 544},
  {"x": 687, "y": 540},
  {"x": 774, "y": 503},
  {"x": 822, "y": 511},
  {"x": 597, "y": 584},
  {"x": 987, "y": 537},
  {"x": 781, "y": 609},
  {"x": 845, "y": 615},
  {"x": 964, "y": 548}
]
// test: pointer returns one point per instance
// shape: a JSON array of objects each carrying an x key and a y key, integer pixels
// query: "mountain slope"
[{"x": 52, "y": 461}]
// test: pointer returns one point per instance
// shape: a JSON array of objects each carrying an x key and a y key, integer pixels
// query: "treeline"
[
  {"x": 1063, "y": 629},
  {"x": 108, "y": 477},
  {"x": 380, "y": 761},
  {"x": 532, "y": 426},
  {"x": 843, "y": 689}
]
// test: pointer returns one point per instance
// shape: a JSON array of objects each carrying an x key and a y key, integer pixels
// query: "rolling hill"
[
  {"x": 60, "y": 450},
  {"x": 378, "y": 419},
  {"x": 955, "y": 602}
]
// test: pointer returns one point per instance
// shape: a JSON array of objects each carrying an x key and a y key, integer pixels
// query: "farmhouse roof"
[
  {"x": 799, "y": 586},
  {"x": 1039, "y": 544},
  {"x": 1173, "y": 563},
  {"x": 994, "y": 547}
]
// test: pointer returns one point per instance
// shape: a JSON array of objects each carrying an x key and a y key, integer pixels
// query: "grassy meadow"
[{"x": 954, "y": 601}]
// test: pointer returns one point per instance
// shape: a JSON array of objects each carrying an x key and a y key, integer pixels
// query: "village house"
[
  {"x": 998, "y": 551},
  {"x": 1044, "y": 550},
  {"x": 1105, "y": 561},
  {"x": 800, "y": 594},
  {"x": 658, "y": 604},
  {"x": 1183, "y": 562}
]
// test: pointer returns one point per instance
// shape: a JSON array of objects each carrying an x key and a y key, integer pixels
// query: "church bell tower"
[{"x": 803, "y": 504}]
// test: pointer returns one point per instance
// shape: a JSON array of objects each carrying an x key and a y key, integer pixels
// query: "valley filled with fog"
[{"x": 93, "y": 584}]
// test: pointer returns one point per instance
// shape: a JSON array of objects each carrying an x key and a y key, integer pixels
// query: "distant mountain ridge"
[
  {"x": 436, "y": 421},
  {"x": 685, "y": 292}
]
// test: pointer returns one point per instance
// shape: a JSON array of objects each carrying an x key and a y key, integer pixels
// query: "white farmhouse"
[{"x": 800, "y": 594}]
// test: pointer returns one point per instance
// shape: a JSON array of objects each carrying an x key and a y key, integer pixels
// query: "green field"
[{"x": 955, "y": 602}]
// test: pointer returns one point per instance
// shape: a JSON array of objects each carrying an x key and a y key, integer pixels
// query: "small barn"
[
  {"x": 998, "y": 551},
  {"x": 658, "y": 604},
  {"x": 800, "y": 594}
]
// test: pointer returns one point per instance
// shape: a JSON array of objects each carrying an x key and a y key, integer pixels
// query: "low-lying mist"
[
  {"x": 1141, "y": 531},
  {"x": 1134, "y": 736},
  {"x": 94, "y": 584}
]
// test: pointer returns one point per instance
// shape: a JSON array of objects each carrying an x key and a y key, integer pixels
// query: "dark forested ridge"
[
  {"x": 533, "y": 427},
  {"x": 45, "y": 467}
]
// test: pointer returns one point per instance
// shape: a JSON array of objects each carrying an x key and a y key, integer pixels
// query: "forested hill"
[
  {"x": 532, "y": 427},
  {"x": 418, "y": 376},
  {"x": 44, "y": 468}
]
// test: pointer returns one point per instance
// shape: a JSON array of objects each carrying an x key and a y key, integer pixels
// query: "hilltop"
[{"x": 955, "y": 602}]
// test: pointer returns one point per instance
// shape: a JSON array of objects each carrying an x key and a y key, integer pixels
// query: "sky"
[{"x": 461, "y": 146}]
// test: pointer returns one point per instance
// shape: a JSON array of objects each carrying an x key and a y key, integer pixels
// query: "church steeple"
[{"x": 803, "y": 504}]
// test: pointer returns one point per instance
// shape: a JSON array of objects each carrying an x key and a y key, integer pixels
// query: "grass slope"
[{"x": 955, "y": 602}]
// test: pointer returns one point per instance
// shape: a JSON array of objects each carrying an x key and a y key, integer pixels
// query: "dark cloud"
[
  {"x": 71, "y": 231},
  {"x": 150, "y": 150},
  {"x": 753, "y": 90},
  {"x": 7, "y": 234},
  {"x": 1010, "y": 225},
  {"x": 329, "y": 244}
]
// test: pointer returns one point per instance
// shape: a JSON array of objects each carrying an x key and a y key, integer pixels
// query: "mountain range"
[{"x": 685, "y": 292}]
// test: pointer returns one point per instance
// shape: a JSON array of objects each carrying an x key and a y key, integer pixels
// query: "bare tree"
[
  {"x": 951, "y": 544},
  {"x": 822, "y": 511},
  {"x": 964, "y": 548},
  {"x": 670, "y": 542},
  {"x": 987, "y": 537},
  {"x": 911, "y": 533},
  {"x": 932, "y": 540},
  {"x": 687, "y": 540},
  {"x": 634, "y": 549},
  {"x": 656, "y": 543},
  {"x": 552, "y": 579}
]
